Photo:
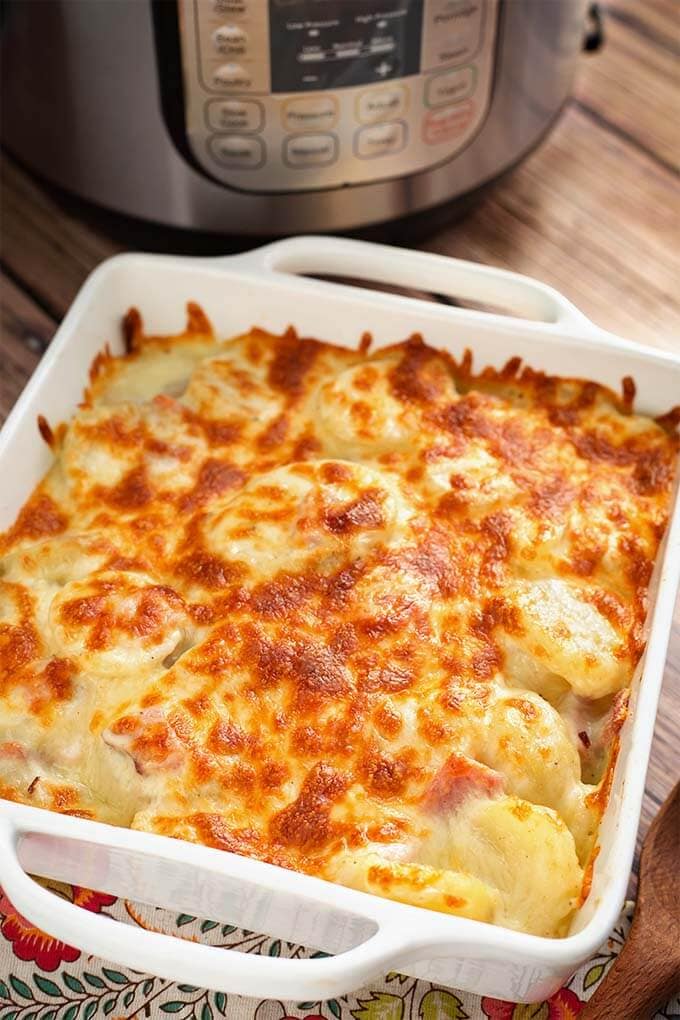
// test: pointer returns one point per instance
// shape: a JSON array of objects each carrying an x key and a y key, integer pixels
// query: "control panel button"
[
  {"x": 381, "y": 104},
  {"x": 229, "y": 6},
  {"x": 452, "y": 31},
  {"x": 310, "y": 150},
  {"x": 450, "y": 86},
  {"x": 455, "y": 50},
  {"x": 380, "y": 140},
  {"x": 235, "y": 115},
  {"x": 447, "y": 123},
  {"x": 230, "y": 39},
  {"x": 231, "y": 76},
  {"x": 313, "y": 113},
  {"x": 240, "y": 152},
  {"x": 383, "y": 68}
]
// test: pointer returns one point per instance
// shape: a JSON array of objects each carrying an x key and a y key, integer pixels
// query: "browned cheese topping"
[{"x": 370, "y": 616}]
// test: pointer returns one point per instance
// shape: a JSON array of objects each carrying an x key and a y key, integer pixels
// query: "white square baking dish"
[{"x": 369, "y": 935}]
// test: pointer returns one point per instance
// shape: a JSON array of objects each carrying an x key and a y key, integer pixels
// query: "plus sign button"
[{"x": 383, "y": 68}]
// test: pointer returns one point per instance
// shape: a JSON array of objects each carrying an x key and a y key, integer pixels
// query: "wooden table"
[{"x": 594, "y": 211}]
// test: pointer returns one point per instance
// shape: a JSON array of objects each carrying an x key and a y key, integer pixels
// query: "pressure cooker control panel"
[{"x": 292, "y": 95}]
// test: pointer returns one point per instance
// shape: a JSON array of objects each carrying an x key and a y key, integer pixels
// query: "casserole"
[{"x": 514, "y": 966}]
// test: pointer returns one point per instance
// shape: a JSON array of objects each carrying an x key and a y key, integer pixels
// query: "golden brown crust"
[{"x": 352, "y": 610}]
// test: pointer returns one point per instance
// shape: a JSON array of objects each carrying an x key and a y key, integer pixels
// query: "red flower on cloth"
[
  {"x": 272, "y": 1009},
  {"x": 310, "y": 1016},
  {"x": 30, "y": 943},
  {"x": 564, "y": 1005}
]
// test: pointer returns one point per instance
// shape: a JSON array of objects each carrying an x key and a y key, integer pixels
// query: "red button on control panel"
[{"x": 447, "y": 123}]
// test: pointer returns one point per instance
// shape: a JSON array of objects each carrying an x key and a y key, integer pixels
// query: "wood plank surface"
[
  {"x": 592, "y": 216},
  {"x": 43, "y": 245},
  {"x": 25, "y": 331},
  {"x": 594, "y": 211},
  {"x": 655, "y": 19},
  {"x": 632, "y": 84}
]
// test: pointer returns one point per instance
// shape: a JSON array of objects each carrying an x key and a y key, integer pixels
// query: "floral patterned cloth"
[{"x": 43, "y": 979}]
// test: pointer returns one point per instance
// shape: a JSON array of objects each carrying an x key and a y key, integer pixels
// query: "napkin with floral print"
[{"x": 44, "y": 979}]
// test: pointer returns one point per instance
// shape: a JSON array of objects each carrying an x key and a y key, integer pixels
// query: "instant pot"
[{"x": 280, "y": 116}]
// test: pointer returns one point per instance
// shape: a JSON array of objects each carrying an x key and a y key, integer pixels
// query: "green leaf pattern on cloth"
[
  {"x": 69, "y": 985},
  {"x": 440, "y": 1005},
  {"x": 593, "y": 975},
  {"x": 380, "y": 1006}
]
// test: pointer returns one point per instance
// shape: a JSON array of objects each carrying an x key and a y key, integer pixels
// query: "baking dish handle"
[
  {"x": 182, "y": 960},
  {"x": 456, "y": 278}
]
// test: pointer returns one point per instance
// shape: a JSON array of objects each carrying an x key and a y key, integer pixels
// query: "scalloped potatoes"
[{"x": 368, "y": 616}]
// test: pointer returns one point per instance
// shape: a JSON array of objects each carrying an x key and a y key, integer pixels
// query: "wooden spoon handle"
[{"x": 644, "y": 976}]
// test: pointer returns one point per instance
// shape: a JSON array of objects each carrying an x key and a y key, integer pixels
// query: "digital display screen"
[{"x": 332, "y": 44}]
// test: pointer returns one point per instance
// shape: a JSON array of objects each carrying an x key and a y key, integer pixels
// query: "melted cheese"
[{"x": 371, "y": 617}]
